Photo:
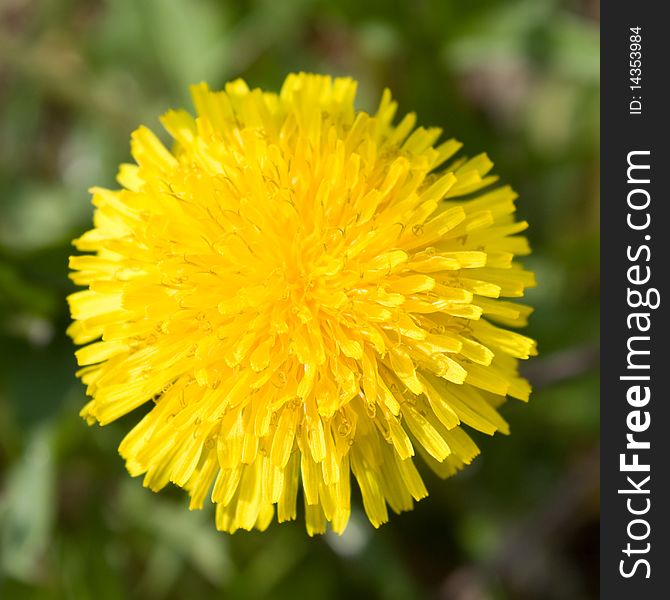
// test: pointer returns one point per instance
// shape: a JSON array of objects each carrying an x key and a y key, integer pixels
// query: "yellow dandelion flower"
[{"x": 304, "y": 291}]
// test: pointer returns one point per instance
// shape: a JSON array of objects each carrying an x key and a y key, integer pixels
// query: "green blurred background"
[{"x": 517, "y": 79}]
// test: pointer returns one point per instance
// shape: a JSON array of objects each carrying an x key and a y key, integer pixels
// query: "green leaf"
[{"x": 27, "y": 508}]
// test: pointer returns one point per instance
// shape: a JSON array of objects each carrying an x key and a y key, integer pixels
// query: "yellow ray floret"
[{"x": 303, "y": 293}]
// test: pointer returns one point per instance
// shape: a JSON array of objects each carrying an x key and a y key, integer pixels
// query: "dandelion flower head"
[{"x": 300, "y": 292}]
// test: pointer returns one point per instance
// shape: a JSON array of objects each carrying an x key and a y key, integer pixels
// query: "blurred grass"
[{"x": 518, "y": 79}]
